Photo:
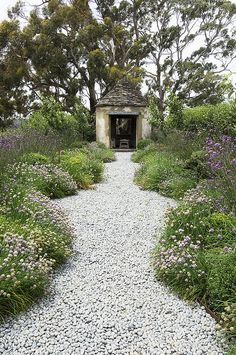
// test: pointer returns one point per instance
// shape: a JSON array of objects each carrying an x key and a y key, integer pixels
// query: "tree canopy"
[{"x": 76, "y": 50}]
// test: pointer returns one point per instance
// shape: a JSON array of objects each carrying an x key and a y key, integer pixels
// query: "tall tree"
[
  {"x": 70, "y": 50},
  {"x": 124, "y": 41},
  {"x": 13, "y": 67},
  {"x": 193, "y": 41},
  {"x": 62, "y": 41}
]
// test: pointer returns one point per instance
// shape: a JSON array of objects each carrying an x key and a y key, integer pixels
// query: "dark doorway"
[{"x": 123, "y": 129}]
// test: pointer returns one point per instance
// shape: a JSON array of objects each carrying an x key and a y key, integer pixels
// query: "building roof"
[{"x": 124, "y": 93}]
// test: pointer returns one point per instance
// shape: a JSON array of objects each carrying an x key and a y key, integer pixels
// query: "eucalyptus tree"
[
  {"x": 125, "y": 41},
  {"x": 62, "y": 51},
  {"x": 13, "y": 67},
  {"x": 193, "y": 42}
]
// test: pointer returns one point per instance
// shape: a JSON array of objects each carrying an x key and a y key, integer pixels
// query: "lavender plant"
[{"x": 221, "y": 158}]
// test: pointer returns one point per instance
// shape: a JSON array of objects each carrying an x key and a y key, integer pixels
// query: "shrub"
[
  {"x": 34, "y": 236},
  {"x": 84, "y": 169},
  {"x": 220, "y": 117},
  {"x": 100, "y": 152},
  {"x": 50, "y": 116},
  {"x": 78, "y": 144},
  {"x": 27, "y": 204},
  {"x": 51, "y": 180},
  {"x": 177, "y": 185},
  {"x": 141, "y": 155},
  {"x": 221, "y": 276},
  {"x": 184, "y": 143},
  {"x": 23, "y": 272},
  {"x": 35, "y": 158},
  {"x": 15, "y": 143},
  {"x": 232, "y": 349},
  {"x": 198, "y": 163},
  {"x": 143, "y": 143},
  {"x": 162, "y": 172}
]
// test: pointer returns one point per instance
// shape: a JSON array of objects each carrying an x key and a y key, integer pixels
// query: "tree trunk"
[{"x": 92, "y": 97}]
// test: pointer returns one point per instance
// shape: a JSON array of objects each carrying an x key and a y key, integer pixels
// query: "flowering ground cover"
[
  {"x": 34, "y": 237},
  {"x": 35, "y": 234},
  {"x": 196, "y": 253}
]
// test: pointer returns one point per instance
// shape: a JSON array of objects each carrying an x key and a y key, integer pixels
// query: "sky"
[{"x": 6, "y": 4}]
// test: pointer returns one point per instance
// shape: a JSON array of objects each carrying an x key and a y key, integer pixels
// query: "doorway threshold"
[{"x": 118, "y": 150}]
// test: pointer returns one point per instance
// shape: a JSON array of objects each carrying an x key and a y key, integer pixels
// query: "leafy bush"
[
  {"x": 177, "y": 185},
  {"x": 162, "y": 172},
  {"x": 232, "y": 349},
  {"x": 50, "y": 116},
  {"x": 26, "y": 204},
  {"x": 78, "y": 144},
  {"x": 198, "y": 163},
  {"x": 183, "y": 143},
  {"x": 100, "y": 152},
  {"x": 35, "y": 158},
  {"x": 51, "y": 180},
  {"x": 143, "y": 143},
  {"x": 142, "y": 154},
  {"x": 220, "y": 117},
  {"x": 84, "y": 169},
  {"x": 24, "y": 272},
  {"x": 221, "y": 276}
]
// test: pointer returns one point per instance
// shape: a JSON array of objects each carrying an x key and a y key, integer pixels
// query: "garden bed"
[
  {"x": 196, "y": 253},
  {"x": 35, "y": 234}
]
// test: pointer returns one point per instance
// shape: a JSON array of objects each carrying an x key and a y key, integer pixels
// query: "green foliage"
[
  {"x": 35, "y": 158},
  {"x": 14, "y": 98},
  {"x": 155, "y": 117},
  {"x": 196, "y": 256},
  {"x": 31, "y": 244},
  {"x": 161, "y": 171},
  {"x": 221, "y": 160},
  {"x": 175, "y": 107},
  {"x": 34, "y": 237},
  {"x": 197, "y": 162},
  {"x": 221, "y": 276},
  {"x": 100, "y": 152},
  {"x": 232, "y": 350},
  {"x": 84, "y": 169},
  {"x": 142, "y": 154},
  {"x": 190, "y": 73},
  {"x": 50, "y": 180},
  {"x": 71, "y": 59},
  {"x": 183, "y": 143},
  {"x": 220, "y": 117},
  {"x": 16, "y": 143},
  {"x": 143, "y": 143},
  {"x": 177, "y": 185},
  {"x": 50, "y": 116}
]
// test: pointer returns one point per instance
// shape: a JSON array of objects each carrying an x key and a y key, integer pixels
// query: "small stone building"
[{"x": 121, "y": 117}]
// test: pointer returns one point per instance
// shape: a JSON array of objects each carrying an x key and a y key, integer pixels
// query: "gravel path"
[{"x": 106, "y": 300}]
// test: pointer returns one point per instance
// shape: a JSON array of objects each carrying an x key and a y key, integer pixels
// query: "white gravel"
[{"x": 106, "y": 299}]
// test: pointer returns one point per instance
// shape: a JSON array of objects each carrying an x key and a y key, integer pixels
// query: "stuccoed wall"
[{"x": 103, "y": 131}]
